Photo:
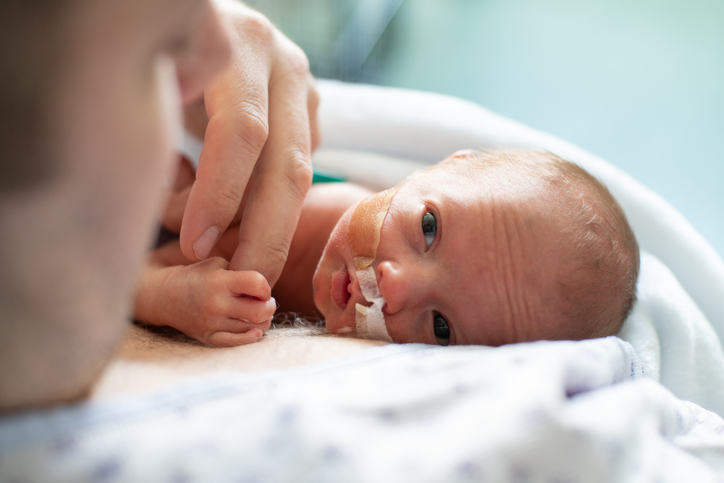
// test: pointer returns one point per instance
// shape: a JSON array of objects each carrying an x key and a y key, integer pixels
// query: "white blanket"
[
  {"x": 551, "y": 411},
  {"x": 602, "y": 410}
]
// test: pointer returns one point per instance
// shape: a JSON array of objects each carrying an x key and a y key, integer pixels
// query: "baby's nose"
[{"x": 396, "y": 286}]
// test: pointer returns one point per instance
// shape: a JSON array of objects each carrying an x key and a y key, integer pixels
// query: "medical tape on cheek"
[{"x": 364, "y": 238}]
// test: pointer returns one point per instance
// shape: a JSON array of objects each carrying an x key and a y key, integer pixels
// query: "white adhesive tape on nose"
[
  {"x": 370, "y": 320},
  {"x": 368, "y": 284}
]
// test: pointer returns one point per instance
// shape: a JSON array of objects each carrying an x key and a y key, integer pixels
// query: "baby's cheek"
[{"x": 399, "y": 329}]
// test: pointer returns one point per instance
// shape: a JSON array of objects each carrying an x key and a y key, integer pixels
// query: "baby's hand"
[{"x": 217, "y": 306}]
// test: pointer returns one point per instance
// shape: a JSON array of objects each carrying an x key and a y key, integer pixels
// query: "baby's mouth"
[{"x": 340, "y": 288}]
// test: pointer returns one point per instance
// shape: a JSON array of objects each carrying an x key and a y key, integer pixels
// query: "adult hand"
[{"x": 260, "y": 123}]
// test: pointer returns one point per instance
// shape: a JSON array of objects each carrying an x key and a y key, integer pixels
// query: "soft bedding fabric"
[
  {"x": 639, "y": 407},
  {"x": 554, "y": 411}
]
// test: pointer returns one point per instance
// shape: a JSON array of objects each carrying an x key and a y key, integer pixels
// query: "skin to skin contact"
[{"x": 147, "y": 362}]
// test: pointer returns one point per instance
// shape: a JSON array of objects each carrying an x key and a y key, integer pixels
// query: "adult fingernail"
[{"x": 203, "y": 244}]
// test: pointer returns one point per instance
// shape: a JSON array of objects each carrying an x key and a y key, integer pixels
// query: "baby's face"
[{"x": 458, "y": 262}]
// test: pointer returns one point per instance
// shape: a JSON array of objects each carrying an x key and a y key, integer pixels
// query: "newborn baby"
[{"x": 484, "y": 248}]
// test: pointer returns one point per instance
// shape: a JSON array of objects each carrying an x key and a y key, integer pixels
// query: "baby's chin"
[
  {"x": 334, "y": 320},
  {"x": 323, "y": 296},
  {"x": 336, "y": 324},
  {"x": 319, "y": 301}
]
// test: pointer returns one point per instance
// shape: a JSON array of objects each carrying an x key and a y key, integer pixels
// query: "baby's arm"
[{"x": 204, "y": 300}]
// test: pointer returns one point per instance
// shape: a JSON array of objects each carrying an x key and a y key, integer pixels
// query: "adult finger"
[
  {"x": 237, "y": 131},
  {"x": 233, "y": 142},
  {"x": 176, "y": 207},
  {"x": 283, "y": 176},
  {"x": 312, "y": 108}
]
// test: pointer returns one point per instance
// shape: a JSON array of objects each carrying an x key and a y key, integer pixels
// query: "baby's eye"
[
  {"x": 441, "y": 328},
  {"x": 429, "y": 228}
]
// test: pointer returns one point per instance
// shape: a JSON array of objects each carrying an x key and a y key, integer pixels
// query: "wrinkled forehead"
[
  {"x": 456, "y": 179},
  {"x": 442, "y": 179}
]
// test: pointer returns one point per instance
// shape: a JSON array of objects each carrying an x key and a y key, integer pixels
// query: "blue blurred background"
[{"x": 638, "y": 82}]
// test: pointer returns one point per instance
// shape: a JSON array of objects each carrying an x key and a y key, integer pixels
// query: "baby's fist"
[{"x": 226, "y": 308}]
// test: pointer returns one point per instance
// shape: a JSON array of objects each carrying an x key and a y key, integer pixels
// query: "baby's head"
[{"x": 485, "y": 248}]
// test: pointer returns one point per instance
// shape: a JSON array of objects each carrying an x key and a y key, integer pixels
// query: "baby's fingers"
[
  {"x": 251, "y": 284},
  {"x": 230, "y": 339},
  {"x": 245, "y": 310}
]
